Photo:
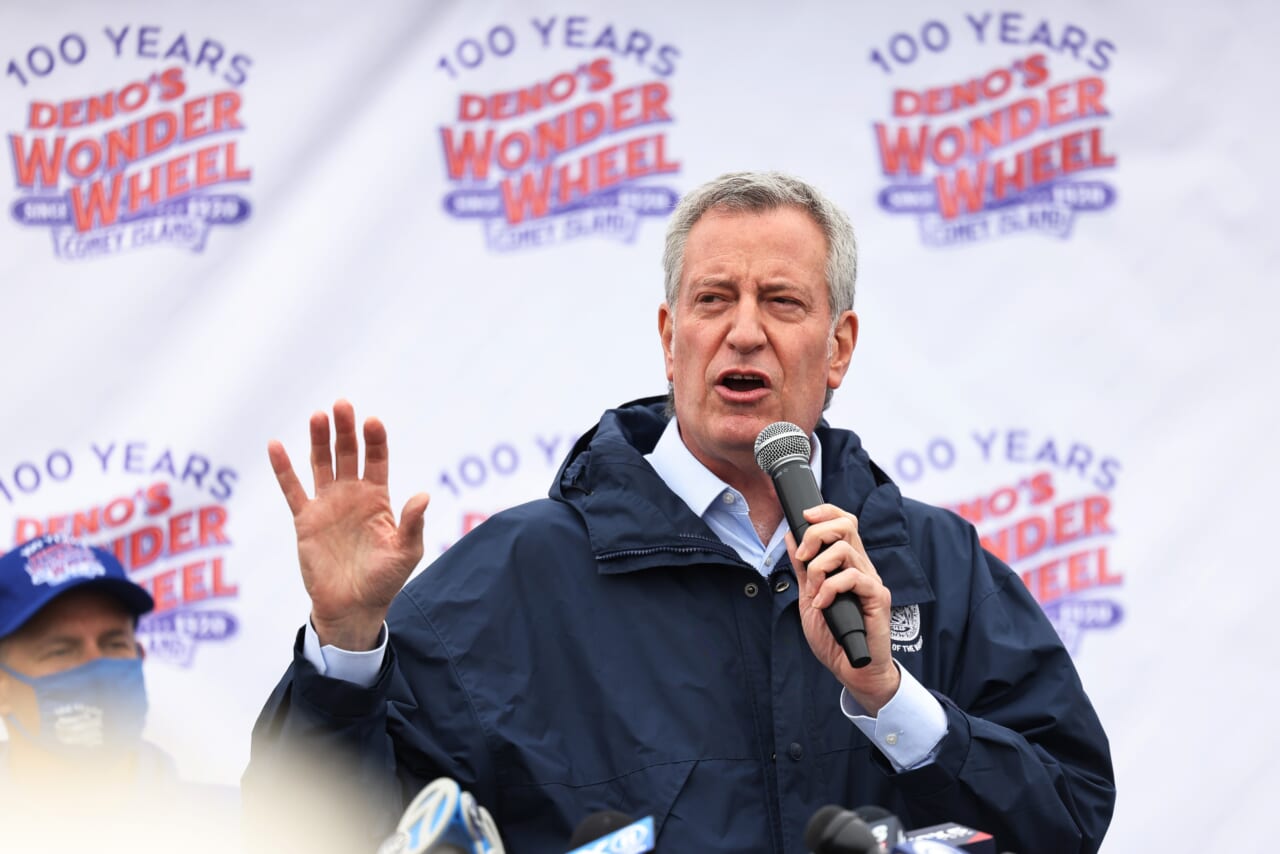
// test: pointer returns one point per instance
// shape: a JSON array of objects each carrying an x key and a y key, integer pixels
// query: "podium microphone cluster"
[{"x": 782, "y": 451}]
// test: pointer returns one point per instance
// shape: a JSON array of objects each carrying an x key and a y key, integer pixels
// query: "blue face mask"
[{"x": 96, "y": 709}]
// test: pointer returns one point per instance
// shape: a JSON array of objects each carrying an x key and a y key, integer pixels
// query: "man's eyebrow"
[{"x": 54, "y": 638}]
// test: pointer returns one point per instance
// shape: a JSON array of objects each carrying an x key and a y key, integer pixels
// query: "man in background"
[
  {"x": 75, "y": 773},
  {"x": 72, "y": 693}
]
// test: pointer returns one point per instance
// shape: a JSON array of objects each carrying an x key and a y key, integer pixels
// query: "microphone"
[
  {"x": 594, "y": 834},
  {"x": 443, "y": 819},
  {"x": 782, "y": 451},
  {"x": 884, "y": 825},
  {"x": 833, "y": 830}
]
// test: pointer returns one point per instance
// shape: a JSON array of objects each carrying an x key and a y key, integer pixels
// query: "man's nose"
[{"x": 747, "y": 331}]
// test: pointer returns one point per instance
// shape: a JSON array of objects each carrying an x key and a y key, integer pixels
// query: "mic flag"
[
  {"x": 782, "y": 452},
  {"x": 443, "y": 819},
  {"x": 958, "y": 836},
  {"x": 635, "y": 838}
]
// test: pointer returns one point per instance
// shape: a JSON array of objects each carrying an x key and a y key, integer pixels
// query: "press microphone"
[
  {"x": 833, "y": 830},
  {"x": 612, "y": 832},
  {"x": 884, "y": 825},
  {"x": 782, "y": 451},
  {"x": 444, "y": 819}
]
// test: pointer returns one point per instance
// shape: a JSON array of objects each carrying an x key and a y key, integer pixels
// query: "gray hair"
[{"x": 755, "y": 192}]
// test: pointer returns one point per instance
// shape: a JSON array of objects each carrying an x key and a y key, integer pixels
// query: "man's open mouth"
[{"x": 743, "y": 382}]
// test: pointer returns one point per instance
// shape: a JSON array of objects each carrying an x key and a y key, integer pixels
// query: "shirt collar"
[{"x": 693, "y": 482}]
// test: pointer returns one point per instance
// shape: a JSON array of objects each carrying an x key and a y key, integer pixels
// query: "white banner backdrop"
[{"x": 223, "y": 217}]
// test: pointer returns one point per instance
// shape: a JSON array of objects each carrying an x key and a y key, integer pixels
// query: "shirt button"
[
  {"x": 891, "y": 739},
  {"x": 751, "y": 589},
  {"x": 728, "y": 498},
  {"x": 782, "y": 585},
  {"x": 795, "y": 751}
]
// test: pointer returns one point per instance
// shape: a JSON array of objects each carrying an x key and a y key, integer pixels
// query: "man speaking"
[{"x": 649, "y": 639}]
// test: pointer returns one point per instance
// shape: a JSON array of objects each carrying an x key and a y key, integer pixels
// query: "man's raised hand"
[{"x": 354, "y": 555}]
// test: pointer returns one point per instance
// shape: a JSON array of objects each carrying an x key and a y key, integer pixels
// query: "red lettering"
[
  {"x": 175, "y": 176},
  {"x": 37, "y": 161},
  {"x": 180, "y": 539},
  {"x": 220, "y": 587},
  {"x": 212, "y": 519},
  {"x": 530, "y": 194},
  {"x": 902, "y": 153},
  {"x": 193, "y": 588},
  {"x": 162, "y": 590},
  {"x": 225, "y": 107},
  {"x": 42, "y": 115},
  {"x": 101, "y": 206},
  {"x": 964, "y": 189},
  {"x": 466, "y": 157}
]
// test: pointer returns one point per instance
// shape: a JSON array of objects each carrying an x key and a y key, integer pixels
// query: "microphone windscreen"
[
  {"x": 816, "y": 829},
  {"x": 779, "y": 441}
]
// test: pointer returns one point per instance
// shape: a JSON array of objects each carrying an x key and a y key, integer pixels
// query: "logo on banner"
[
  {"x": 1013, "y": 141},
  {"x": 149, "y": 156},
  {"x": 166, "y": 517},
  {"x": 579, "y": 152},
  {"x": 1042, "y": 505}
]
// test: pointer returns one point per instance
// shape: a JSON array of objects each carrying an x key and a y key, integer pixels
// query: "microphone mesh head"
[{"x": 777, "y": 442}]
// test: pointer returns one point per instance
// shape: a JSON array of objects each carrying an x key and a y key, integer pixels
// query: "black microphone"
[
  {"x": 782, "y": 451},
  {"x": 833, "y": 830},
  {"x": 596, "y": 825},
  {"x": 884, "y": 826}
]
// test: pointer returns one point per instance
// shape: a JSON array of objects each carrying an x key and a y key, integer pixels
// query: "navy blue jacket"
[{"x": 602, "y": 649}]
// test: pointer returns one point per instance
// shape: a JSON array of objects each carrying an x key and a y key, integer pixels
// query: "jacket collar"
[{"x": 634, "y": 522}]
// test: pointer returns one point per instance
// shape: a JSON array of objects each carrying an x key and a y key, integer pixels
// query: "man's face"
[
  {"x": 750, "y": 339},
  {"x": 78, "y": 627}
]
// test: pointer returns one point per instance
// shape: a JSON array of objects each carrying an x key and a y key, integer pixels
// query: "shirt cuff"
[
  {"x": 360, "y": 668},
  {"x": 908, "y": 729}
]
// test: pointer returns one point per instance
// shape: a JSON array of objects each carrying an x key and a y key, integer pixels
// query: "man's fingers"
[
  {"x": 346, "y": 447},
  {"x": 321, "y": 461},
  {"x": 830, "y": 528},
  {"x": 412, "y": 521},
  {"x": 294, "y": 494},
  {"x": 847, "y": 581},
  {"x": 375, "y": 452}
]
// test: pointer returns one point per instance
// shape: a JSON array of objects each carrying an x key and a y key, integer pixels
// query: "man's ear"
[
  {"x": 666, "y": 331},
  {"x": 843, "y": 341}
]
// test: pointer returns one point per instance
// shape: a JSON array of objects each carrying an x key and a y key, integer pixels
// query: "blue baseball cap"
[{"x": 38, "y": 571}]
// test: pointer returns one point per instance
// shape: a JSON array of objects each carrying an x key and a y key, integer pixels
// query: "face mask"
[{"x": 96, "y": 709}]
